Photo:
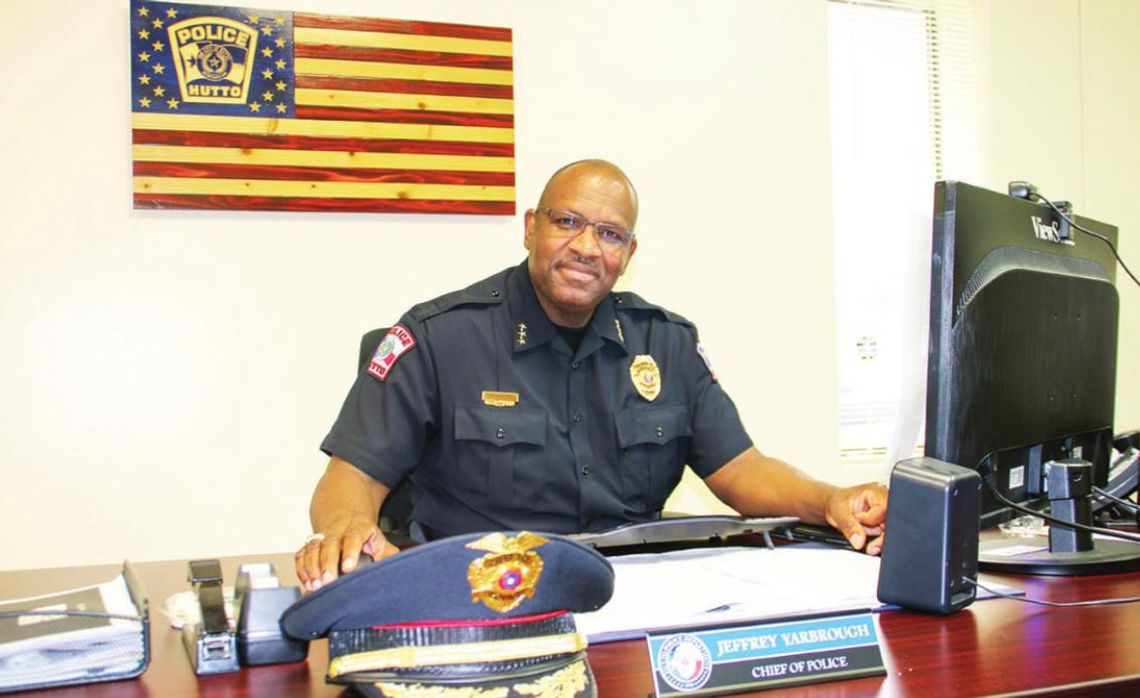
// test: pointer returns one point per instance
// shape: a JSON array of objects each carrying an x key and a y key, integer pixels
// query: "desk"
[{"x": 994, "y": 646}]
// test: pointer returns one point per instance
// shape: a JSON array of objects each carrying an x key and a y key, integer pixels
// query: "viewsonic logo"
[{"x": 1045, "y": 232}]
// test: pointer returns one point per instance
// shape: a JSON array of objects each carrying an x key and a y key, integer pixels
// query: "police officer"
[{"x": 539, "y": 399}]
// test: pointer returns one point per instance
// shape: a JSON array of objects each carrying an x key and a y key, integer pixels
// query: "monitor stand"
[
  {"x": 1016, "y": 554},
  {"x": 1065, "y": 551}
]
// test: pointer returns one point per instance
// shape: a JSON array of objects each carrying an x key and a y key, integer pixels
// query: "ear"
[
  {"x": 632, "y": 249},
  {"x": 529, "y": 222}
]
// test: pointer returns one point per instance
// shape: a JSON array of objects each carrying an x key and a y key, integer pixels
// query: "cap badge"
[
  {"x": 646, "y": 376},
  {"x": 507, "y": 575}
]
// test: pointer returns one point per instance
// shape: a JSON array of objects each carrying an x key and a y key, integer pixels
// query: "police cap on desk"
[{"x": 486, "y": 614}]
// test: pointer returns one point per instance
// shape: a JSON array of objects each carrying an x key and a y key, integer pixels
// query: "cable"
[
  {"x": 1086, "y": 231},
  {"x": 1131, "y": 506},
  {"x": 1061, "y": 522},
  {"x": 1054, "y": 604}
]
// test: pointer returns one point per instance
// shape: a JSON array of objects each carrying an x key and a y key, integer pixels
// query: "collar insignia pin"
[
  {"x": 522, "y": 333},
  {"x": 617, "y": 325}
]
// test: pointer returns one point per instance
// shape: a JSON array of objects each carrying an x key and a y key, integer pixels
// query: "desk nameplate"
[{"x": 765, "y": 655}]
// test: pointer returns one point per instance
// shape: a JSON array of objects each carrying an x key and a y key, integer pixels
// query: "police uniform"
[{"x": 501, "y": 426}]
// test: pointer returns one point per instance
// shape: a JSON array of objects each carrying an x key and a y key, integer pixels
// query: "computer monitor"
[{"x": 1022, "y": 363}]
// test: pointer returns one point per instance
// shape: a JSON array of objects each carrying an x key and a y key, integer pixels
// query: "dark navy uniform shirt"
[{"x": 581, "y": 449}]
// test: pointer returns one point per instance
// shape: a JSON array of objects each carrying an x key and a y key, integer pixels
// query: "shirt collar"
[
  {"x": 530, "y": 327},
  {"x": 606, "y": 325}
]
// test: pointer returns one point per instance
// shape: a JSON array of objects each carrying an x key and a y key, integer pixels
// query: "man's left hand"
[{"x": 860, "y": 514}]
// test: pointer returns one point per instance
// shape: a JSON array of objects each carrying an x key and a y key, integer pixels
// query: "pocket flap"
[
  {"x": 501, "y": 426},
  {"x": 656, "y": 425}
]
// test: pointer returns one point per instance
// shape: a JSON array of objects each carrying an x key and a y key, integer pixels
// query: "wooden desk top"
[{"x": 993, "y": 646}]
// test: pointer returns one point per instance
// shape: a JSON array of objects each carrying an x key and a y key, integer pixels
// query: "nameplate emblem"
[
  {"x": 765, "y": 655},
  {"x": 494, "y": 398}
]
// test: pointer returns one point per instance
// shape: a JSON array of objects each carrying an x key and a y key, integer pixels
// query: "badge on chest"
[{"x": 646, "y": 376}]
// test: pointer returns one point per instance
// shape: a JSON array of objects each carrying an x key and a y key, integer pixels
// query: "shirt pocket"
[
  {"x": 654, "y": 442},
  {"x": 500, "y": 451}
]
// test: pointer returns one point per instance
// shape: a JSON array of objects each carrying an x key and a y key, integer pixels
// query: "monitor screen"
[{"x": 1023, "y": 337}]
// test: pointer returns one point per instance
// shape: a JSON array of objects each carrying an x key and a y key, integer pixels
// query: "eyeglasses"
[{"x": 572, "y": 224}]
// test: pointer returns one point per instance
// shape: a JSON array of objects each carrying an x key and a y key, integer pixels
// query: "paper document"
[
  {"x": 68, "y": 636},
  {"x": 706, "y": 587}
]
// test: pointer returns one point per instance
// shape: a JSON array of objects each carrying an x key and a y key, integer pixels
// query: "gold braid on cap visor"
[{"x": 410, "y": 656}]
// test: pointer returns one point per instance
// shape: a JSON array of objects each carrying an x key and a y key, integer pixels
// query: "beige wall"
[
  {"x": 167, "y": 376},
  {"x": 1059, "y": 95}
]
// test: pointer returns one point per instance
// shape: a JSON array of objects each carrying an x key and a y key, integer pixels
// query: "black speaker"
[{"x": 931, "y": 543}]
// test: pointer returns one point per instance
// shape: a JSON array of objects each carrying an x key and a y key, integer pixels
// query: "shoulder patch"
[
  {"x": 395, "y": 344},
  {"x": 704, "y": 354}
]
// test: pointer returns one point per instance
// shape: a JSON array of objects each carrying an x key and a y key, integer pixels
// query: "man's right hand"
[
  {"x": 324, "y": 556},
  {"x": 344, "y": 511}
]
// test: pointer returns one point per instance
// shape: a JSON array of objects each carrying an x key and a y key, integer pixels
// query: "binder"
[{"x": 77, "y": 636}]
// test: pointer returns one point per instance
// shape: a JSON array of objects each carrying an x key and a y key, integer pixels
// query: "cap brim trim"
[
  {"x": 570, "y": 681},
  {"x": 409, "y": 657}
]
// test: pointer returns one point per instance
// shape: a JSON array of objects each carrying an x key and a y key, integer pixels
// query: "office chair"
[{"x": 396, "y": 512}]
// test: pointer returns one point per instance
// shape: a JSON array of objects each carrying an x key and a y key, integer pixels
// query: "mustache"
[{"x": 584, "y": 261}]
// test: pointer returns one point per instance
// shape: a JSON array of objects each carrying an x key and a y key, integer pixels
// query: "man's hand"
[
  {"x": 860, "y": 513},
  {"x": 758, "y": 485},
  {"x": 324, "y": 556},
  {"x": 344, "y": 511}
]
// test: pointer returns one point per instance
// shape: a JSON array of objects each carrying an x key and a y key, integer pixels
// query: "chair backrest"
[{"x": 396, "y": 512}]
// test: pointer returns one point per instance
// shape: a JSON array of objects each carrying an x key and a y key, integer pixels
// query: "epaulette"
[
  {"x": 627, "y": 300},
  {"x": 486, "y": 292}
]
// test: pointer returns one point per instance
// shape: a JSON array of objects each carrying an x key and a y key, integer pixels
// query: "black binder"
[{"x": 69, "y": 638}]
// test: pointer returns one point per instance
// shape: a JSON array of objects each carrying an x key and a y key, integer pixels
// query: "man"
[{"x": 539, "y": 399}]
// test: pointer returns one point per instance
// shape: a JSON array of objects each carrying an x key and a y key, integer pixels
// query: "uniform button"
[
  {"x": 501, "y": 432},
  {"x": 495, "y": 294},
  {"x": 619, "y": 300},
  {"x": 577, "y": 417},
  {"x": 660, "y": 431},
  {"x": 574, "y": 365},
  {"x": 586, "y": 471}
]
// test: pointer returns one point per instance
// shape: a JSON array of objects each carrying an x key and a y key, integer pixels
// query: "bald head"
[{"x": 602, "y": 174}]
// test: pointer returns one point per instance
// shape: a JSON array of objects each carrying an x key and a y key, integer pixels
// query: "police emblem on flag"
[
  {"x": 200, "y": 61},
  {"x": 213, "y": 57}
]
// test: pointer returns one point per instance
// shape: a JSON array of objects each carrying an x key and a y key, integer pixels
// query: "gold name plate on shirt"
[{"x": 493, "y": 398}]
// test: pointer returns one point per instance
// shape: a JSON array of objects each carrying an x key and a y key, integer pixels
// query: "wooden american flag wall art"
[{"x": 235, "y": 108}]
